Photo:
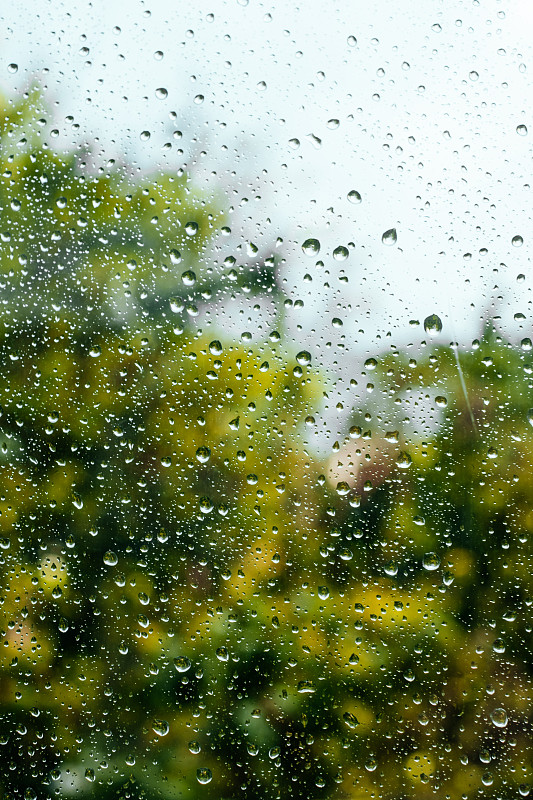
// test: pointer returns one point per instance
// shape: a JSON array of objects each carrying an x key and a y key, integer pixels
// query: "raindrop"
[
  {"x": 303, "y": 358},
  {"x": 161, "y": 93},
  {"x": 311, "y": 247},
  {"x": 430, "y": 562},
  {"x": 182, "y": 663},
  {"x": 204, "y": 775},
  {"x": 188, "y": 278},
  {"x": 354, "y": 197},
  {"x": 160, "y": 727},
  {"x": 499, "y": 718},
  {"x": 390, "y": 237},
  {"x": 341, "y": 253},
  {"x": 521, "y": 130},
  {"x": 517, "y": 241},
  {"x": 110, "y": 558},
  {"x": 203, "y": 454},
  {"x": 433, "y": 324}
]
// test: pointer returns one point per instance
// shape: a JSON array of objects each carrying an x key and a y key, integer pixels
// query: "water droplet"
[
  {"x": 341, "y": 253},
  {"x": 194, "y": 747},
  {"x": 441, "y": 401},
  {"x": 203, "y": 454},
  {"x": 350, "y": 719},
  {"x": 13, "y": 68},
  {"x": 89, "y": 775},
  {"x": 95, "y": 351},
  {"x": 303, "y": 358},
  {"x": 352, "y": 41},
  {"x": 188, "y": 278},
  {"x": 404, "y": 460},
  {"x": 222, "y": 653},
  {"x": 390, "y": 237},
  {"x": 199, "y": 99},
  {"x": 161, "y": 727},
  {"x": 371, "y": 764},
  {"x": 498, "y": 646},
  {"x": 191, "y": 228},
  {"x": 158, "y": 55},
  {"x": 499, "y": 718},
  {"x": 110, "y": 558},
  {"x": 161, "y": 93},
  {"x": 306, "y": 687},
  {"x": 521, "y": 130},
  {"x": 182, "y": 663},
  {"x": 204, "y": 775},
  {"x": 433, "y": 324},
  {"x": 354, "y": 197},
  {"x": 145, "y": 135},
  {"x": 530, "y": 416},
  {"x": 371, "y": 364},
  {"x": 430, "y": 562},
  {"x": 175, "y": 256},
  {"x": 323, "y": 592},
  {"x": 390, "y": 569},
  {"x": 311, "y": 247},
  {"x": 517, "y": 241},
  {"x": 473, "y": 75}
]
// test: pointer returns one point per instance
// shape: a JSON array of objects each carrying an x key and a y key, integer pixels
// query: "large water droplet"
[
  {"x": 204, "y": 775},
  {"x": 354, "y": 197}
]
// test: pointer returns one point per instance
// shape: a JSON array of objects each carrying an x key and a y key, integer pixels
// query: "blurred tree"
[{"x": 192, "y": 603}]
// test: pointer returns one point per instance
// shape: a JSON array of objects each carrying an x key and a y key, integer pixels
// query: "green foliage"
[{"x": 182, "y": 589}]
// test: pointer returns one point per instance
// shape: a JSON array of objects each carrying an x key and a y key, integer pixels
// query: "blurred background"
[{"x": 266, "y": 401}]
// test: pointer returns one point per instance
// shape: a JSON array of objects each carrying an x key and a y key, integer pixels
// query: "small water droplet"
[
  {"x": 341, "y": 253},
  {"x": 303, "y": 358},
  {"x": 390, "y": 237},
  {"x": 203, "y": 454},
  {"x": 323, "y": 592},
  {"x": 160, "y": 727},
  {"x": 499, "y": 717},
  {"x": 204, "y": 775},
  {"x": 13, "y": 68},
  {"x": 354, "y": 197},
  {"x": 517, "y": 241},
  {"x": 145, "y": 135},
  {"x": 222, "y": 653},
  {"x": 182, "y": 663},
  {"x": 430, "y": 562},
  {"x": 521, "y": 130},
  {"x": 161, "y": 93},
  {"x": 473, "y": 75},
  {"x": 311, "y": 247},
  {"x": 306, "y": 687},
  {"x": 404, "y": 460},
  {"x": 433, "y": 324}
]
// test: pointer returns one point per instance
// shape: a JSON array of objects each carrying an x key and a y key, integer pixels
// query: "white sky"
[{"x": 433, "y": 152}]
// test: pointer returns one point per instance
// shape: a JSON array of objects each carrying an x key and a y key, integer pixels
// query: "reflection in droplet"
[
  {"x": 311, "y": 247},
  {"x": 390, "y": 237},
  {"x": 433, "y": 324},
  {"x": 499, "y": 717}
]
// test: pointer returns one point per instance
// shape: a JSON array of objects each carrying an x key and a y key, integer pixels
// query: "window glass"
[{"x": 266, "y": 400}]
